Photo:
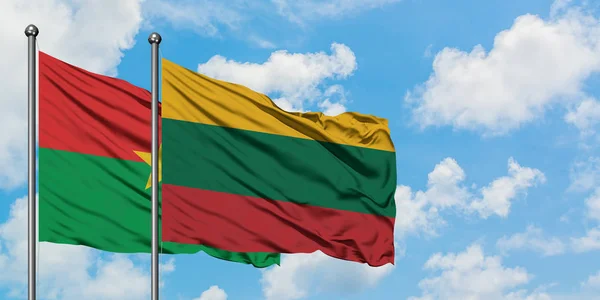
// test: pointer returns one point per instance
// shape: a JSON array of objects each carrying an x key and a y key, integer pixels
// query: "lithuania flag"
[
  {"x": 94, "y": 164},
  {"x": 243, "y": 175}
]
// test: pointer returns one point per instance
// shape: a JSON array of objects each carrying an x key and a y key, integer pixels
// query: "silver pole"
[
  {"x": 154, "y": 40},
  {"x": 31, "y": 32}
]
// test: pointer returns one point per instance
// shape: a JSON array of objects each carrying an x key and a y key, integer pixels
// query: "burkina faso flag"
[{"x": 94, "y": 165}]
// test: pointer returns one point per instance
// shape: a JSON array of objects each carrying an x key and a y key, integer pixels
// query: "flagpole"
[
  {"x": 154, "y": 39},
  {"x": 31, "y": 32}
]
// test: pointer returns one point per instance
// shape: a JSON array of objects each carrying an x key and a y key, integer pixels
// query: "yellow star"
[{"x": 147, "y": 157}]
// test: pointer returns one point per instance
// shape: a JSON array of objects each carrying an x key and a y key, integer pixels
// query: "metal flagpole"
[
  {"x": 154, "y": 40},
  {"x": 31, "y": 32}
]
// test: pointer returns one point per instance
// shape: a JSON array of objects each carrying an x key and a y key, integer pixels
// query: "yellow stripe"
[{"x": 192, "y": 97}]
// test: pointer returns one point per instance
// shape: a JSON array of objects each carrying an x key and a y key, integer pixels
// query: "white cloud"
[
  {"x": 117, "y": 278},
  {"x": 532, "y": 239},
  {"x": 592, "y": 204},
  {"x": 420, "y": 210},
  {"x": 532, "y": 65},
  {"x": 443, "y": 185},
  {"x": 70, "y": 31},
  {"x": 587, "y": 179},
  {"x": 524, "y": 295},
  {"x": 66, "y": 271},
  {"x": 418, "y": 214},
  {"x": 472, "y": 275},
  {"x": 297, "y": 78},
  {"x": 589, "y": 242},
  {"x": 497, "y": 196},
  {"x": 167, "y": 267},
  {"x": 214, "y": 18},
  {"x": 202, "y": 16},
  {"x": 586, "y": 116},
  {"x": 593, "y": 282},
  {"x": 332, "y": 109},
  {"x": 446, "y": 190},
  {"x": 213, "y": 293},
  {"x": 585, "y": 175},
  {"x": 427, "y": 53},
  {"x": 559, "y": 6},
  {"x": 335, "y": 99},
  {"x": 261, "y": 42},
  {"x": 301, "y": 273},
  {"x": 301, "y": 11}
]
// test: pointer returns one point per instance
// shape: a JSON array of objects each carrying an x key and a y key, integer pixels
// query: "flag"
[
  {"x": 241, "y": 174},
  {"x": 94, "y": 164}
]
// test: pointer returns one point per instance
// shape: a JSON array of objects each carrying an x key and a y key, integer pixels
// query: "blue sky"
[{"x": 493, "y": 108}]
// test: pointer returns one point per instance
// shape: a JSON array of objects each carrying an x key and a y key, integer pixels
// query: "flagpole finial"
[
  {"x": 154, "y": 38},
  {"x": 32, "y": 30}
]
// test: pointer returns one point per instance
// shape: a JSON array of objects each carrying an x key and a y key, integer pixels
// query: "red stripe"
[
  {"x": 248, "y": 224},
  {"x": 84, "y": 112}
]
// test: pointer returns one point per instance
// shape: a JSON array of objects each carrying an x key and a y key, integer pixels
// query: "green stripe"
[
  {"x": 102, "y": 203},
  {"x": 279, "y": 167}
]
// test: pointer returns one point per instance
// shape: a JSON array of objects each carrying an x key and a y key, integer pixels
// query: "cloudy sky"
[{"x": 494, "y": 109}]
